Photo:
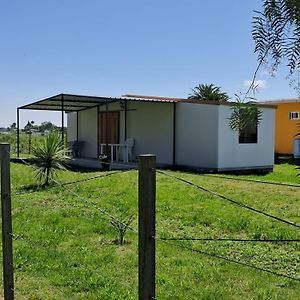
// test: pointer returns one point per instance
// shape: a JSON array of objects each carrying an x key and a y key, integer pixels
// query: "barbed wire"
[
  {"x": 104, "y": 212},
  {"x": 226, "y": 240},
  {"x": 91, "y": 204},
  {"x": 232, "y": 261},
  {"x": 71, "y": 182},
  {"x": 94, "y": 177},
  {"x": 251, "y": 180},
  {"x": 229, "y": 200}
]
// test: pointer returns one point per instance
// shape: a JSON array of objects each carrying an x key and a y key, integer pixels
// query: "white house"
[{"x": 181, "y": 132}]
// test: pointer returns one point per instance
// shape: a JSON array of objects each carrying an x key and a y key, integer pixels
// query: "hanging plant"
[{"x": 244, "y": 114}]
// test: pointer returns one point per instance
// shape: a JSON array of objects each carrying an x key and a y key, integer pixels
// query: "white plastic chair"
[{"x": 129, "y": 147}]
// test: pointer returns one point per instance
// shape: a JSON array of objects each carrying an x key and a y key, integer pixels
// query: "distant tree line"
[{"x": 44, "y": 126}]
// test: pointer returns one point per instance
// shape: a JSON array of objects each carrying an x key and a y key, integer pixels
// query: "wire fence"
[
  {"x": 177, "y": 241},
  {"x": 252, "y": 180},
  {"x": 89, "y": 203},
  {"x": 227, "y": 259},
  {"x": 240, "y": 204}
]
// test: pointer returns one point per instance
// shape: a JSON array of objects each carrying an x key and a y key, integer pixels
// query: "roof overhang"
[
  {"x": 68, "y": 103},
  {"x": 74, "y": 103}
]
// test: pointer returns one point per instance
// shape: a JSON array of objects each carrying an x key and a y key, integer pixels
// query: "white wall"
[
  {"x": 72, "y": 126},
  {"x": 196, "y": 135},
  {"x": 151, "y": 126},
  {"x": 231, "y": 154},
  {"x": 87, "y": 132}
]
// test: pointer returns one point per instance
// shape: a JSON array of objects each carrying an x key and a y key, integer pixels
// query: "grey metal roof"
[{"x": 71, "y": 103}]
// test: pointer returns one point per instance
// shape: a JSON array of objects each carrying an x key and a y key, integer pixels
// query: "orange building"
[{"x": 287, "y": 124}]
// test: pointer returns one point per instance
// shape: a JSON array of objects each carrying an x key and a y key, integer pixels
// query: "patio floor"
[{"x": 90, "y": 163}]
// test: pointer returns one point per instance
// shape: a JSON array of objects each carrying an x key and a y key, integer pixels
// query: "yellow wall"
[{"x": 286, "y": 129}]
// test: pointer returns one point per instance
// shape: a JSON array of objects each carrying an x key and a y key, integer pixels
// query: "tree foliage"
[
  {"x": 276, "y": 33},
  {"x": 208, "y": 92},
  {"x": 47, "y": 125},
  {"x": 244, "y": 114}
]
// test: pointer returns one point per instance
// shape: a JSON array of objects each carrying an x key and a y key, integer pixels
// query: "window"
[
  {"x": 248, "y": 135},
  {"x": 294, "y": 115}
]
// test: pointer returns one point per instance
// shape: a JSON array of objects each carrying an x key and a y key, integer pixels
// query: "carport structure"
[
  {"x": 70, "y": 103},
  {"x": 66, "y": 103}
]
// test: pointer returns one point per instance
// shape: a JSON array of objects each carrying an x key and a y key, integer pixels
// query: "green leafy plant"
[
  {"x": 208, "y": 92},
  {"x": 276, "y": 33},
  {"x": 121, "y": 226},
  {"x": 244, "y": 114},
  {"x": 49, "y": 156}
]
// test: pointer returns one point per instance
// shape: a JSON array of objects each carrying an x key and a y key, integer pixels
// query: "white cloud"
[{"x": 259, "y": 84}]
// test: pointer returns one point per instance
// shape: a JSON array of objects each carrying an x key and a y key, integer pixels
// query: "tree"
[
  {"x": 47, "y": 125},
  {"x": 29, "y": 126},
  {"x": 49, "y": 157},
  {"x": 208, "y": 92},
  {"x": 276, "y": 33},
  {"x": 12, "y": 127}
]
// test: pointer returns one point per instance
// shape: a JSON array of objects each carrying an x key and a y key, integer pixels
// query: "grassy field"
[{"x": 64, "y": 247}]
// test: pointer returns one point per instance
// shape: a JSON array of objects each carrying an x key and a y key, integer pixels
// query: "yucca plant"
[
  {"x": 208, "y": 92},
  {"x": 49, "y": 155}
]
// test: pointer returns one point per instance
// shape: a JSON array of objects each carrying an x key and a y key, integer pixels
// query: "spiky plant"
[
  {"x": 49, "y": 155},
  {"x": 208, "y": 92}
]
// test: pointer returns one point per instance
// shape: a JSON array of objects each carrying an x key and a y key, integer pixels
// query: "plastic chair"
[{"x": 129, "y": 145}]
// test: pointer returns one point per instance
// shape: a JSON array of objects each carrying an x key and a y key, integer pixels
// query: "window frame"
[
  {"x": 249, "y": 134},
  {"x": 291, "y": 117}
]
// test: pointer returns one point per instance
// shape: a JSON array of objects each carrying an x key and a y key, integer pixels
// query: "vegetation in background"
[
  {"x": 11, "y": 138},
  {"x": 49, "y": 155},
  {"x": 208, "y": 92}
]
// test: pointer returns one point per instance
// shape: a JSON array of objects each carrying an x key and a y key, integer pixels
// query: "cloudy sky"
[{"x": 110, "y": 48}]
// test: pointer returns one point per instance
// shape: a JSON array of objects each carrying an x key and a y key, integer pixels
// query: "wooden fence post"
[
  {"x": 8, "y": 277},
  {"x": 147, "y": 195}
]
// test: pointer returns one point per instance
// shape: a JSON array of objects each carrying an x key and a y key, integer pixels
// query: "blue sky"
[{"x": 110, "y": 48}]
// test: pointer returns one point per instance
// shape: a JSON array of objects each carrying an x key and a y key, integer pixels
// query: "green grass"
[
  {"x": 284, "y": 173},
  {"x": 64, "y": 247}
]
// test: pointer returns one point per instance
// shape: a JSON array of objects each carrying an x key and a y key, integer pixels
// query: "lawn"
[{"x": 64, "y": 247}]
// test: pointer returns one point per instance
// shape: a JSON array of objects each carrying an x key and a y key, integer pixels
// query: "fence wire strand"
[
  {"x": 251, "y": 180},
  {"x": 228, "y": 199},
  {"x": 232, "y": 261},
  {"x": 226, "y": 240},
  {"x": 91, "y": 204}
]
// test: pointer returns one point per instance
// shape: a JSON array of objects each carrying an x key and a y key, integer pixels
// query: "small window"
[
  {"x": 248, "y": 135},
  {"x": 294, "y": 115}
]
